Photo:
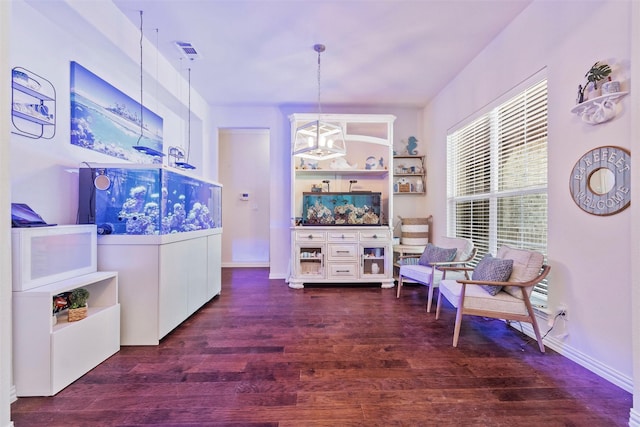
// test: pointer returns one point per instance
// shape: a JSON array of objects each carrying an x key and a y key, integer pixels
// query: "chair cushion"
[
  {"x": 434, "y": 253},
  {"x": 526, "y": 266},
  {"x": 494, "y": 270},
  {"x": 464, "y": 246},
  {"x": 417, "y": 272},
  {"x": 422, "y": 274},
  {"x": 477, "y": 298}
]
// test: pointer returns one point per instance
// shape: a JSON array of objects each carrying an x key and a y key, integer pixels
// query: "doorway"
[{"x": 244, "y": 173}]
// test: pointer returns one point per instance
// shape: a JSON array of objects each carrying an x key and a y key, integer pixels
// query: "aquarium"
[
  {"x": 147, "y": 200},
  {"x": 353, "y": 208}
]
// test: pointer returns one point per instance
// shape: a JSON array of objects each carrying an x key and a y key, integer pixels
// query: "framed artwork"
[{"x": 106, "y": 120}]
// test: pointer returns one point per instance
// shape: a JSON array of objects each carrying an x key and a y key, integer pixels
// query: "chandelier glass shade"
[{"x": 319, "y": 140}]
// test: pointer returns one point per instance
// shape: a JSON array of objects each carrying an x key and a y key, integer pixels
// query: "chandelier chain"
[{"x": 319, "y": 48}]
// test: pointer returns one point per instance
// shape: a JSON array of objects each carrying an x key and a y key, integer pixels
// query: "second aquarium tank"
[
  {"x": 147, "y": 200},
  {"x": 352, "y": 208}
]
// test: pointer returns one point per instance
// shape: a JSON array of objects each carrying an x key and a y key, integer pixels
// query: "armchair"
[
  {"x": 431, "y": 275},
  {"x": 511, "y": 299}
]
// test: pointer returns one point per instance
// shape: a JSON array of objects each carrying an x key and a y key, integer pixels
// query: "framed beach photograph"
[{"x": 106, "y": 120}]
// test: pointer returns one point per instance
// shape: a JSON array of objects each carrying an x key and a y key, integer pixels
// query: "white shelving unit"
[
  {"x": 33, "y": 106},
  {"x": 345, "y": 253},
  {"x": 600, "y": 109},
  {"x": 49, "y": 353}
]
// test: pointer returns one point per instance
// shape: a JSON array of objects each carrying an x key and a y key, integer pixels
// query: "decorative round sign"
[{"x": 600, "y": 181}]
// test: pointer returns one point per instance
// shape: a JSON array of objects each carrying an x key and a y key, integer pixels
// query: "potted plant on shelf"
[
  {"x": 596, "y": 73},
  {"x": 78, "y": 308}
]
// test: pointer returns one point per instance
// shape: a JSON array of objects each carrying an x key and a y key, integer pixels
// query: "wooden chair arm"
[
  {"x": 451, "y": 268},
  {"x": 543, "y": 273},
  {"x": 408, "y": 256}
]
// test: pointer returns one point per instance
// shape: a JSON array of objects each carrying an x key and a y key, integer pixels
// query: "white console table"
[{"x": 49, "y": 353}]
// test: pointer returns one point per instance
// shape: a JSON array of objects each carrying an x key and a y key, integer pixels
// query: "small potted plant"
[
  {"x": 596, "y": 73},
  {"x": 78, "y": 307}
]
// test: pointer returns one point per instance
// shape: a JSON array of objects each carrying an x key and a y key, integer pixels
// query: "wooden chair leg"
[
  {"x": 430, "y": 296},
  {"x": 456, "y": 330},
  {"x": 399, "y": 286},
  {"x": 438, "y": 305},
  {"x": 534, "y": 323}
]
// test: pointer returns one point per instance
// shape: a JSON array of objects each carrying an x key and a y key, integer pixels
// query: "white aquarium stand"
[{"x": 164, "y": 279}]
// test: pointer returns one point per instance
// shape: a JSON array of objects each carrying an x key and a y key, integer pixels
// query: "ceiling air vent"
[{"x": 187, "y": 50}]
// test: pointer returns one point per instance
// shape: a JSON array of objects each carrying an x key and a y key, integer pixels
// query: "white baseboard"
[
  {"x": 613, "y": 376},
  {"x": 12, "y": 394},
  {"x": 244, "y": 264}
]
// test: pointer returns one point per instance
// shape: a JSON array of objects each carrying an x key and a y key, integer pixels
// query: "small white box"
[{"x": 42, "y": 255}]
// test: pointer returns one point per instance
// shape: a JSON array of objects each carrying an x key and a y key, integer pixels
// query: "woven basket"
[
  {"x": 415, "y": 231},
  {"x": 76, "y": 314}
]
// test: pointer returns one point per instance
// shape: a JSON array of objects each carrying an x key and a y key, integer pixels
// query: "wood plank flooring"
[{"x": 262, "y": 354}]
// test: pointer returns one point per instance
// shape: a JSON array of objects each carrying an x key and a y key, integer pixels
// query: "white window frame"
[{"x": 534, "y": 191}]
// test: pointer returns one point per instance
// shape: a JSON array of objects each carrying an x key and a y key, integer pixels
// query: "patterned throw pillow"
[
  {"x": 433, "y": 254},
  {"x": 493, "y": 270}
]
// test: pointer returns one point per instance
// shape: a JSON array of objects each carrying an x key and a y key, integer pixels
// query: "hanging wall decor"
[{"x": 600, "y": 181}]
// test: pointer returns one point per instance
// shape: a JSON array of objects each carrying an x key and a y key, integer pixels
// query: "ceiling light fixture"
[
  {"x": 142, "y": 148},
  {"x": 318, "y": 140},
  {"x": 181, "y": 162}
]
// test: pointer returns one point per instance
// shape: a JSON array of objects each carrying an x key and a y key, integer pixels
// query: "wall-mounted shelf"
[
  {"x": 408, "y": 174},
  {"x": 33, "y": 104},
  {"x": 600, "y": 109}
]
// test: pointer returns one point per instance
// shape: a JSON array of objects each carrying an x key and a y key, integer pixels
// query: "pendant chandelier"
[{"x": 318, "y": 140}]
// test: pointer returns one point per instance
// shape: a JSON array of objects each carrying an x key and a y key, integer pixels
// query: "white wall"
[
  {"x": 47, "y": 181},
  {"x": 6, "y": 380},
  {"x": 589, "y": 254}
]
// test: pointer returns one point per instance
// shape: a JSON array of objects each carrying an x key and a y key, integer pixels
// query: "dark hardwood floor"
[{"x": 262, "y": 354}]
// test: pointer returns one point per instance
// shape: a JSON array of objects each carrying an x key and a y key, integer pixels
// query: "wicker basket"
[
  {"x": 415, "y": 231},
  {"x": 76, "y": 314}
]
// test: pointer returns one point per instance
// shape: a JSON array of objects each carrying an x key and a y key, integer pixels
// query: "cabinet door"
[
  {"x": 173, "y": 291},
  {"x": 214, "y": 265},
  {"x": 310, "y": 261},
  {"x": 197, "y": 285},
  {"x": 373, "y": 261}
]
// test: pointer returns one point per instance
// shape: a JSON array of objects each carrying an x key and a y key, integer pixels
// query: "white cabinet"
[
  {"x": 49, "y": 352},
  {"x": 163, "y": 279},
  {"x": 348, "y": 253},
  {"x": 341, "y": 255}
]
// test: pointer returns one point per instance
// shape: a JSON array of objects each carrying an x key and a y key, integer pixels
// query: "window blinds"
[{"x": 497, "y": 176}]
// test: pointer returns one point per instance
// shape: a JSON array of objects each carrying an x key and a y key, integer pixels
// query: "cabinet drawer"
[
  {"x": 342, "y": 251},
  {"x": 341, "y": 236},
  {"x": 310, "y": 236},
  {"x": 343, "y": 271},
  {"x": 375, "y": 236}
]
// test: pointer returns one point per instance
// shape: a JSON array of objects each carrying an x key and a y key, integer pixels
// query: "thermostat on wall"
[{"x": 244, "y": 196}]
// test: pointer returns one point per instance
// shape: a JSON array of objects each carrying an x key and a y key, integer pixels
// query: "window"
[{"x": 497, "y": 176}]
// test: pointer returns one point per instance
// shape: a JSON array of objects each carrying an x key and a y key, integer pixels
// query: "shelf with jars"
[{"x": 408, "y": 174}]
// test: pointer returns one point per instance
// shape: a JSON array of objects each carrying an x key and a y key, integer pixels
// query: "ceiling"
[{"x": 381, "y": 52}]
